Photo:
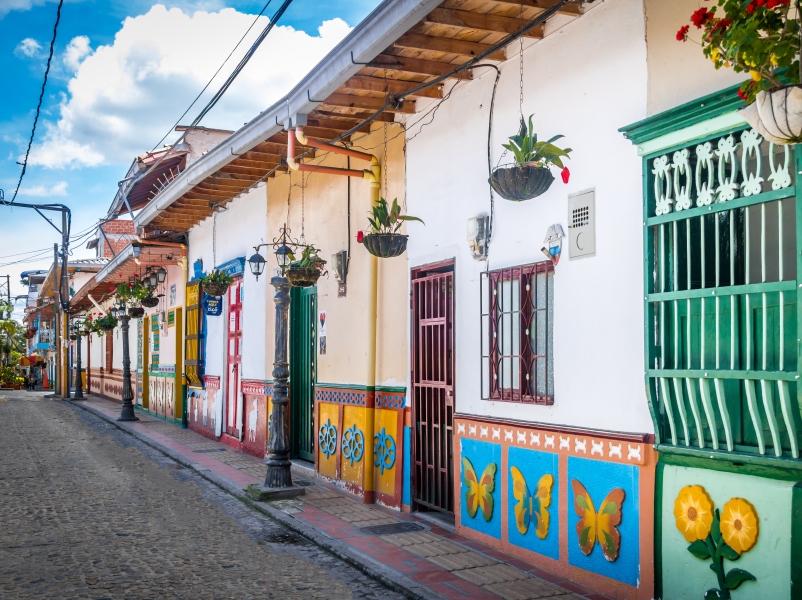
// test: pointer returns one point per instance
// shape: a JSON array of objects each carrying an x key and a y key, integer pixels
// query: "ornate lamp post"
[
  {"x": 120, "y": 311},
  {"x": 278, "y": 481},
  {"x": 78, "y": 329}
]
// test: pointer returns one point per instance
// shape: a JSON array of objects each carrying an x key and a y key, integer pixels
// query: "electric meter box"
[{"x": 582, "y": 224}]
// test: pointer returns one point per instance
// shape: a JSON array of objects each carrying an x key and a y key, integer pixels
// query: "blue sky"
[{"x": 123, "y": 72}]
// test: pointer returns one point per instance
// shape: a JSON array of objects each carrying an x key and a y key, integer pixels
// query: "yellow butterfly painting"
[
  {"x": 600, "y": 525},
  {"x": 531, "y": 506},
  {"x": 479, "y": 492}
]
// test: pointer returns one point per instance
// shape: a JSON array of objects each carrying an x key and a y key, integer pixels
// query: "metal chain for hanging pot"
[
  {"x": 384, "y": 163},
  {"x": 303, "y": 207},
  {"x": 521, "y": 69}
]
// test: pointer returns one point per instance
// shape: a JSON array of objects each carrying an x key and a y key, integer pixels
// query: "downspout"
[
  {"x": 184, "y": 269},
  {"x": 372, "y": 175}
]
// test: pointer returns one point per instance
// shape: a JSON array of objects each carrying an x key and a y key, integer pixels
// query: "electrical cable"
[
  {"x": 41, "y": 98},
  {"x": 220, "y": 68}
]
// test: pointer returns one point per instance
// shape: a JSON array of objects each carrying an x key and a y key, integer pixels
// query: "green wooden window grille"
[{"x": 722, "y": 228}]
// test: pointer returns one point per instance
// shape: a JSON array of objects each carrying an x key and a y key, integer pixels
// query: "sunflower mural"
[{"x": 717, "y": 536}]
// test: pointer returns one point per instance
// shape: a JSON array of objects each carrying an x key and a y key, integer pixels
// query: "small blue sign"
[{"x": 212, "y": 307}]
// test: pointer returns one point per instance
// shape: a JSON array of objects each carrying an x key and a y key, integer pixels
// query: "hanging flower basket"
[
  {"x": 302, "y": 276},
  {"x": 777, "y": 115},
  {"x": 385, "y": 245},
  {"x": 29, "y": 333},
  {"x": 135, "y": 312},
  {"x": 73, "y": 337},
  {"x": 216, "y": 290},
  {"x": 520, "y": 182},
  {"x": 149, "y": 302}
]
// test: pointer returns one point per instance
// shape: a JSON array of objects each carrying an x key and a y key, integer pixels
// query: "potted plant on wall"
[
  {"x": 760, "y": 38},
  {"x": 383, "y": 240},
  {"x": 216, "y": 283},
  {"x": 530, "y": 175},
  {"x": 306, "y": 271}
]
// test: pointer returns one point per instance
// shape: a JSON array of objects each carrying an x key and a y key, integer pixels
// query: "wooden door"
[
  {"x": 433, "y": 386},
  {"x": 303, "y": 338},
  {"x": 233, "y": 388}
]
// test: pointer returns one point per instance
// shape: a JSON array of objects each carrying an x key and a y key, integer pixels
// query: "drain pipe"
[{"x": 373, "y": 175}]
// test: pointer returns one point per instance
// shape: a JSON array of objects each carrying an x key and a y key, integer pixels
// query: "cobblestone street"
[{"x": 87, "y": 511}]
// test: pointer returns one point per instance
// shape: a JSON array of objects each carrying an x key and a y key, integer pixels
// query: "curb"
[{"x": 364, "y": 563}]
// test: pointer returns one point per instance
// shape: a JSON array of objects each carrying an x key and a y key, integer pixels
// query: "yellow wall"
[
  {"x": 325, "y": 225},
  {"x": 678, "y": 71}
]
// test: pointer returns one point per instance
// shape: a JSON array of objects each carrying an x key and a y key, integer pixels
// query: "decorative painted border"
[
  {"x": 583, "y": 445},
  {"x": 352, "y": 397},
  {"x": 255, "y": 387},
  {"x": 212, "y": 382},
  {"x": 390, "y": 400}
]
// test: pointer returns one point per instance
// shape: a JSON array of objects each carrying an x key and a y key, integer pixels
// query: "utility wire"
[
  {"x": 41, "y": 98},
  {"x": 220, "y": 68}
]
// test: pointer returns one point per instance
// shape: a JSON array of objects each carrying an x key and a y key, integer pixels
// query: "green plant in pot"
[
  {"x": 760, "y": 38},
  {"x": 137, "y": 291},
  {"x": 306, "y": 271},
  {"x": 383, "y": 239},
  {"x": 530, "y": 175},
  {"x": 216, "y": 283},
  {"x": 104, "y": 324}
]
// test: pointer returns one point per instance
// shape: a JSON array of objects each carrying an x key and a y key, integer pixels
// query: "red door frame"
[{"x": 234, "y": 359}]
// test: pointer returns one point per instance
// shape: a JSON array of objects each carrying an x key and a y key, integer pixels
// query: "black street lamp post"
[
  {"x": 79, "y": 331},
  {"x": 278, "y": 480},
  {"x": 127, "y": 408}
]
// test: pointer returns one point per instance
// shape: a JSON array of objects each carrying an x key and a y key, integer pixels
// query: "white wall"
[
  {"x": 584, "y": 81},
  {"x": 239, "y": 229}
]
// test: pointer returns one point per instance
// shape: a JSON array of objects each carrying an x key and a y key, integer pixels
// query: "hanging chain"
[
  {"x": 289, "y": 193},
  {"x": 384, "y": 163},
  {"x": 303, "y": 206},
  {"x": 214, "y": 239},
  {"x": 521, "y": 69}
]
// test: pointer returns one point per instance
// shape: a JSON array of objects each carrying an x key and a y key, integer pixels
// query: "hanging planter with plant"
[
  {"x": 216, "y": 283},
  {"x": 105, "y": 323},
  {"x": 383, "y": 240},
  {"x": 137, "y": 291},
  {"x": 306, "y": 271},
  {"x": 136, "y": 312},
  {"x": 29, "y": 333},
  {"x": 530, "y": 175},
  {"x": 761, "y": 38}
]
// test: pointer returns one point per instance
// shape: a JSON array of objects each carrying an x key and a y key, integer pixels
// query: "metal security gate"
[
  {"x": 433, "y": 386},
  {"x": 303, "y": 311}
]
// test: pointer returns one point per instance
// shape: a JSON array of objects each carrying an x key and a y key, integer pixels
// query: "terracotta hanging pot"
[
  {"x": 302, "y": 276},
  {"x": 518, "y": 182},
  {"x": 777, "y": 115},
  {"x": 385, "y": 245},
  {"x": 149, "y": 302},
  {"x": 216, "y": 290}
]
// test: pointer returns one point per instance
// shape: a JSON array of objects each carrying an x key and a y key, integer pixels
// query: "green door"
[{"x": 303, "y": 314}]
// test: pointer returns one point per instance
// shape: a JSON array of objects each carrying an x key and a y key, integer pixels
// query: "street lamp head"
[
  {"x": 283, "y": 256},
  {"x": 137, "y": 249},
  {"x": 161, "y": 274},
  {"x": 153, "y": 279},
  {"x": 257, "y": 264}
]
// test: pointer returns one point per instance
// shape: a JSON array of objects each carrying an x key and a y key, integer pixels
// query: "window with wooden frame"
[
  {"x": 193, "y": 353},
  {"x": 517, "y": 334}
]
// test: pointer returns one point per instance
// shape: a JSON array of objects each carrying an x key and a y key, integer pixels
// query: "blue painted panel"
[
  {"x": 233, "y": 267},
  {"x": 481, "y": 454},
  {"x": 406, "y": 474},
  {"x": 534, "y": 465},
  {"x": 599, "y": 479}
]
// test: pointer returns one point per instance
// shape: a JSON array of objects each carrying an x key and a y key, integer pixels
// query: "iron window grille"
[{"x": 517, "y": 334}]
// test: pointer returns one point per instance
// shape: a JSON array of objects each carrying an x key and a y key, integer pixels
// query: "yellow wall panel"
[
  {"x": 354, "y": 451},
  {"x": 327, "y": 456},
  {"x": 388, "y": 453}
]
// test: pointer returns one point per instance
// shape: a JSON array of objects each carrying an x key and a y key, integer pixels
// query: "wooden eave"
[{"x": 448, "y": 36}]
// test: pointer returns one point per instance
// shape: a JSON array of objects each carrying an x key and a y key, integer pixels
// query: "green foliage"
[
  {"x": 135, "y": 291},
  {"x": 750, "y": 36},
  {"x": 101, "y": 324},
  {"x": 217, "y": 276},
  {"x": 699, "y": 550},
  {"x": 309, "y": 259},
  {"x": 388, "y": 220},
  {"x": 526, "y": 148},
  {"x": 9, "y": 376}
]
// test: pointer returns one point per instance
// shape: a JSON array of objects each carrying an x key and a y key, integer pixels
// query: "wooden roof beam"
[
  {"x": 364, "y": 102},
  {"x": 465, "y": 19},
  {"x": 431, "y": 43},
  {"x": 416, "y": 66},
  {"x": 573, "y": 10},
  {"x": 390, "y": 86}
]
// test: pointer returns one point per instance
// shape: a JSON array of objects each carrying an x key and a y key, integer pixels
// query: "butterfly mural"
[
  {"x": 532, "y": 506},
  {"x": 599, "y": 525},
  {"x": 479, "y": 492}
]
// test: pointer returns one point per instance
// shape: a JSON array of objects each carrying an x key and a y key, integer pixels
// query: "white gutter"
[
  {"x": 122, "y": 256},
  {"x": 389, "y": 21}
]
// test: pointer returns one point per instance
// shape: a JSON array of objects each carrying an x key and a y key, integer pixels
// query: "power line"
[
  {"x": 220, "y": 68},
  {"x": 41, "y": 98}
]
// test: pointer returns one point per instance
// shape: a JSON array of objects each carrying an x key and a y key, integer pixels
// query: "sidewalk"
[{"x": 405, "y": 552}]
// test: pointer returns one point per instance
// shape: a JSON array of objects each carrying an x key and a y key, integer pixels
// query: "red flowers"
[
  {"x": 360, "y": 236},
  {"x": 776, "y": 3},
  {"x": 741, "y": 95},
  {"x": 751, "y": 7},
  {"x": 565, "y": 174},
  {"x": 682, "y": 34},
  {"x": 700, "y": 17},
  {"x": 722, "y": 25}
]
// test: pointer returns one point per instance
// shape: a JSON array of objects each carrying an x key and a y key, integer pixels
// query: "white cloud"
[
  {"x": 42, "y": 191},
  {"x": 28, "y": 47},
  {"x": 125, "y": 96},
  {"x": 77, "y": 50}
]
